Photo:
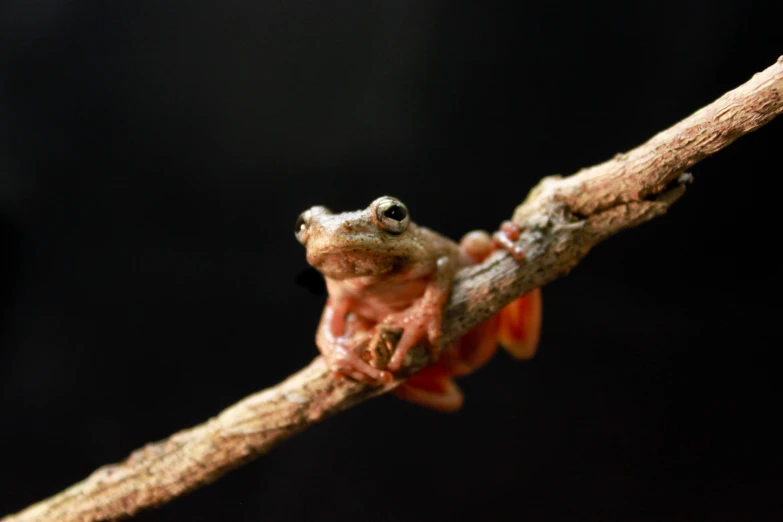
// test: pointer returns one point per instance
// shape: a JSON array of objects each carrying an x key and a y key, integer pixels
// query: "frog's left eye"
[
  {"x": 301, "y": 225},
  {"x": 392, "y": 215}
]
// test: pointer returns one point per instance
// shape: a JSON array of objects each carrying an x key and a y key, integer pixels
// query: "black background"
[{"x": 156, "y": 154}]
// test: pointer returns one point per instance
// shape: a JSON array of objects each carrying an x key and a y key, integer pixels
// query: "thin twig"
[{"x": 562, "y": 219}]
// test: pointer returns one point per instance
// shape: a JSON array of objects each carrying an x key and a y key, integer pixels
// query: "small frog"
[{"x": 381, "y": 269}]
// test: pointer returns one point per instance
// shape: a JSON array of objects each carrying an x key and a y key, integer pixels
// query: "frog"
[{"x": 382, "y": 270}]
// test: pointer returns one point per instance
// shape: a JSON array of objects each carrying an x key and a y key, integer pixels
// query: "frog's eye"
[
  {"x": 308, "y": 219},
  {"x": 392, "y": 215},
  {"x": 301, "y": 225}
]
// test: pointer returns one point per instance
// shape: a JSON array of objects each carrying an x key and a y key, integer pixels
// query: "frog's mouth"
[{"x": 349, "y": 264}]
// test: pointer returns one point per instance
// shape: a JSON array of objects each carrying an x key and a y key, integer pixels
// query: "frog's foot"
[
  {"x": 506, "y": 238},
  {"x": 343, "y": 359},
  {"x": 422, "y": 320},
  {"x": 432, "y": 388},
  {"x": 478, "y": 245},
  {"x": 420, "y": 323}
]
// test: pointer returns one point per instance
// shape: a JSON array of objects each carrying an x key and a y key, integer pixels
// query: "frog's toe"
[
  {"x": 506, "y": 239},
  {"x": 357, "y": 376},
  {"x": 353, "y": 366},
  {"x": 413, "y": 334}
]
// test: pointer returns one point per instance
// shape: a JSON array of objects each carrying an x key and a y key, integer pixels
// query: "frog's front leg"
[
  {"x": 423, "y": 319},
  {"x": 478, "y": 244},
  {"x": 340, "y": 338}
]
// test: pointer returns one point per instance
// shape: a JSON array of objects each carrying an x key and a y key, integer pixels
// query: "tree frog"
[{"x": 382, "y": 269}]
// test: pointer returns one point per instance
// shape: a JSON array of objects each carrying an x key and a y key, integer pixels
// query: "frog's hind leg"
[
  {"x": 519, "y": 322},
  {"x": 519, "y": 325},
  {"x": 433, "y": 388},
  {"x": 473, "y": 349}
]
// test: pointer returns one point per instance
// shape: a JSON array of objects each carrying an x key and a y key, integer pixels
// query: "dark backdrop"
[{"x": 156, "y": 154}]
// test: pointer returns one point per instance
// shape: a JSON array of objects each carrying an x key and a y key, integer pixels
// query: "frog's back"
[{"x": 440, "y": 246}]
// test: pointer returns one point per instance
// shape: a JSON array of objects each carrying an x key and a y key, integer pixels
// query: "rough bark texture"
[{"x": 562, "y": 218}]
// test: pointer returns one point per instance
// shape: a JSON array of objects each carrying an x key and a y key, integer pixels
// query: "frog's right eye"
[
  {"x": 392, "y": 215},
  {"x": 301, "y": 225}
]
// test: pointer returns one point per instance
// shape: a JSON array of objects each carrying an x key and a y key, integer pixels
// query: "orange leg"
[
  {"x": 519, "y": 322},
  {"x": 433, "y": 388},
  {"x": 423, "y": 319},
  {"x": 519, "y": 325}
]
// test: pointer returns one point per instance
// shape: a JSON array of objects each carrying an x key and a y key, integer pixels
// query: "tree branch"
[{"x": 562, "y": 219}]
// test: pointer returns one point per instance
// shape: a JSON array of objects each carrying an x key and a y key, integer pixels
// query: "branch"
[{"x": 562, "y": 219}]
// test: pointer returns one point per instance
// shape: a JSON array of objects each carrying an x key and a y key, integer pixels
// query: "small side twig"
[{"x": 562, "y": 219}]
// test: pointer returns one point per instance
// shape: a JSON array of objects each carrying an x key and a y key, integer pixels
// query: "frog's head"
[{"x": 373, "y": 241}]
